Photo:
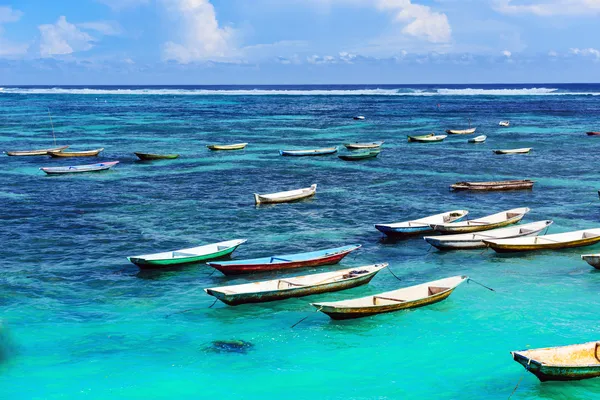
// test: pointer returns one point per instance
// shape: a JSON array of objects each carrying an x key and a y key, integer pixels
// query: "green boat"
[
  {"x": 151, "y": 156},
  {"x": 187, "y": 256},
  {"x": 432, "y": 137},
  {"x": 360, "y": 155}
]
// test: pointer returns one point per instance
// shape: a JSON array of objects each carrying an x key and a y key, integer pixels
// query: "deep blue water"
[{"x": 78, "y": 320}]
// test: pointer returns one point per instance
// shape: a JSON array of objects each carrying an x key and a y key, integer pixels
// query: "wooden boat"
[
  {"x": 235, "y": 146},
  {"x": 494, "y": 185},
  {"x": 313, "y": 152},
  {"x": 360, "y": 155},
  {"x": 564, "y": 363},
  {"x": 523, "y": 150},
  {"x": 504, "y": 123},
  {"x": 475, "y": 240},
  {"x": 88, "y": 153},
  {"x": 285, "y": 197},
  {"x": 492, "y": 221},
  {"x": 153, "y": 156},
  {"x": 74, "y": 169},
  {"x": 593, "y": 133},
  {"x": 287, "y": 261},
  {"x": 187, "y": 256},
  {"x": 363, "y": 146},
  {"x": 295, "y": 286},
  {"x": 39, "y": 152},
  {"x": 592, "y": 259},
  {"x": 432, "y": 137},
  {"x": 400, "y": 299},
  {"x": 421, "y": 225},
  {"x": 556, "y": 241},
  {"x": 358, "y": 118},
  {"x": 478, "y": 139},
  {"x": 461, "y": 131}
]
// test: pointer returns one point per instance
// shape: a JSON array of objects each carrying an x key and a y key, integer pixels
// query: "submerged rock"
[{"x": 230, "y": 346}]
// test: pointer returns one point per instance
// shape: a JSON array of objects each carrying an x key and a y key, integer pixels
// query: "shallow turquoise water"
[{"x": 79, "y": 320}]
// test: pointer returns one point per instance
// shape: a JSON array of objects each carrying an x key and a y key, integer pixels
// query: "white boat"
[
  {"x": 362, "y": 146},
  {"x": 461, "y": 131},
  {"x": 492, "y": 221},
  {"x": 475, "y": 240},
  {"x": 74, "y": 169},
  {"x": 421, "y": 225},
  {"x": 285, "y": 197},
  {"x": 504, "y": 123},
  {"x": 359, "y": 117},
  {"x": 522, "y": 150},
  {"x": 566, "y": 240},
  {"x": 478, "y": 139},
  {"x": 592, "y": 259}
]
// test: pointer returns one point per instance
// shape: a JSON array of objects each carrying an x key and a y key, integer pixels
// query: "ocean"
[{"x": 80, "y": 321}]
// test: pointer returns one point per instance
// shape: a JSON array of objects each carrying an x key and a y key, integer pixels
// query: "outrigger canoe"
[
  {"x": 153, "y": 156},
  {"x": 362, "y": 146},
  {"x": 478, "y": 139},
  {"x": 492, "y": 221},
  {"x": 523, "y": 150},
  {"x": 564, "y": 363},
  {"x": 592, "y": 259},
  {"x": 566, "y": 240},
  {"x": 395, "y": 300},
  {"x": 432, "y": 137},
  {"x": 235, "y": 146},
  {"x": 74, "y": 169},
  {"x": 475, "y": 240},
  {"x": 314, "y": 152},
  {"x": 285, "y": 197},
  {"x": 88, "y": 153},
  {"x": 461, "y": 131},
  {"x": 187, "y": 256},
  {"x": 295, "y": 286},
  {"x": 360, "y": 155},
  {"x": 522, "y": 184},
  {"x": 39, "y": 152},
  {"x": 421, "y": 225},
  {"x": 287, "y": 261}
]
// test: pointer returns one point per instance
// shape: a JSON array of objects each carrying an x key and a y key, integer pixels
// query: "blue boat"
[
  {"x": 313, "y": 152},
  {"x": 419, "y": 226}
]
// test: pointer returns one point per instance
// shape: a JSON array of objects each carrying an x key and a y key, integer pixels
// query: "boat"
[
  {"x": 432, "y": 137},
  {"x": 154, "y": 156},
  {"x": 592, "y": 259},
  {"x": 313, "y": 152},
  {"x": 363, "y": 146},
  {"x": 461, "y": 131},
  {"x": 563, "y": 363},
  {"x": 488, "y": 222},
  {"x": 421, "y": 225},
  {"x": 593, "y": 133},
  {"x": 360, "y": 155},
  {"x": 556, "y": 241},
  {"x": 285, "y": 197},
  {"x": 73, "y": 169},
  {"x": 295, "y": 286},
  {"x": 475, "y": 240},
  {"x": 478, "y": 139},
  {"x": 358, "y": 117},
  {"x": 287, "y": 261},
  {"x": 187, "y": 256},
  {"x": 235, "y": 146},
  {"x": 88, "y": 153},
  {"x": 494, "y": 185},
  {"x": 400, "y": 299},
  {"x": 39, "y": 152},
  {"x": 504, "y": 123},
  {"x": 523, "y": 150}
]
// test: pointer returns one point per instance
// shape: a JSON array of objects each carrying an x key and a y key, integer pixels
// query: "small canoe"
[
  {"x": 358, "y": 118},
  {"x": 478, "y": 139},
  {"x": 39, "y": 152},
  {"x": 461, "y": 131},
  {"x": 592, "y": 259},
  {"x": 432, "y": 137},
  {"x": 494, "y": 185},
  {"x": 295, "y": 286},
  {"x": 187, "y": 256},
  {"x": 593, "y": 133},
  {"x": 235, "y": 146},
  {"x": 88, "y": 153},
  {"x": 421, "y": 225},
  {"x": 285, "y": 197},
  {"x": 74, "y": 169},
  {"x": 363, "y": 146},
  {"x": 557, "y": 241},
  {"x": 523, "y": 150},
  {"x": 492, "y": 221},
  {"x": 504, "y": 123},
  {"x": 400, "y": 299},
  {"x": 564, "y": 363},
  {"x": 153, "y": 156},
  {"x": 360, "y": 155},
  {"x": 287, "y": 261},
  {"x": 313, "y": 152},
  {"x": 475, "y": 240}
]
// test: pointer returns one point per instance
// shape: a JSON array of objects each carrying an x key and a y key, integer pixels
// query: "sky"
[{"x": 168, "y": 42}]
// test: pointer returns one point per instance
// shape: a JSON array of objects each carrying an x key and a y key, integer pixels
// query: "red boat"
[
  {"x": 288, "y": 261},
  {"x": 593, "y": 133}
]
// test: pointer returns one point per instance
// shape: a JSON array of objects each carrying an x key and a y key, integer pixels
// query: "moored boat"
[
  {"x": 421, "y": 225},
  {"x": 400, "y": 299},
  {"x": 556, "y": 241},
  {"x": 287, "y": 261},
  {"x": 592, "y": 259},
  {"x": 563, "y": 363},
  {"x": 87, "y": 153},
  {"x": 358, "y": 118},
  {"x": 312, "y": 152},
  {"x": 478, "y": 139},
  {"x": 504, "y": 123},
  {"x": 187, "y": 256},
  {"x": 363, "y": 146},
  {"x": 432, "y": 137},
  {"x": 38, "y": 152},
  {"x": 492, "y": 221},
  {"x": 593, "y": 133},
  {"x": 235, "y": 146},
  {"x": 74, "y": 169},
  {"x": 285, "y": 197},
  {"x": 522, "y": 150},
  {"x": 494, "y": 185},
  {"x": 295, "y": 286},
  {"x": 360, "y": 155},
  {"x": 154, "y": 156},
  {"x": 461, "y": 131}
]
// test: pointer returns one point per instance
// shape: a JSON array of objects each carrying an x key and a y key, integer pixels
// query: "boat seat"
[
  {"x": 431, "y": 290},
  {"x": 588, "y": 235},
  {"x": 219, "y": 248},
  {"x": 512, "y": 215},
  {"x": 182, "y": 254},
  {"x": 278, "y": 259},
  {"x": 525, "y": 230},
  {"x": 283, "y": 284},
  {"x": 375, "y": 298}
]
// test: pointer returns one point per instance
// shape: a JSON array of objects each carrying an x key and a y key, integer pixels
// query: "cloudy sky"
[{"x": 298, "y": 41}]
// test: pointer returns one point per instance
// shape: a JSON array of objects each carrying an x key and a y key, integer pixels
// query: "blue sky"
[{"x": 298, "y": 41}]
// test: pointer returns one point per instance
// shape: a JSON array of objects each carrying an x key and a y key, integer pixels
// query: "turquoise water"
[{"x": 80, "y": 321}]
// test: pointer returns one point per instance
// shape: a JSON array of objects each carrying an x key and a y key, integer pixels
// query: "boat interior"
[{"x": 577, "y": 355}]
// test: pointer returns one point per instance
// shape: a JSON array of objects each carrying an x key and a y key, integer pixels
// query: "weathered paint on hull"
[
  {"x": 549, "y": 373},
  {"x": 496, "y": 188},
  {"x": 154, "y": 264},
  {"x": 150, "y": 157},
  {"x": 509, "y": 248},
  {"x": 476, "y": 228}
]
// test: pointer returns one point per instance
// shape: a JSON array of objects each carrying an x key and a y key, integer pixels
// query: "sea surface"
[{"x": 80, "y": 321}]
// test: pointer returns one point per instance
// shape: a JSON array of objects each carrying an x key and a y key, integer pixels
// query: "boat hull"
[
  {"x": 358, "y": 157},
  {"x": 265, "y": 199},
  {"x": 476, "y": 228},
  {"x": 150, "y": 156},
  {"x": 500, "y": 186},
  {"x": 237, "y": 146},
  {"x": 408, "y": 231},
  {"x": 427, "y": 138},
  {"x": 593, "y": 133},
  {"x": 592, "y": 259},
  {"x": 306, "y": 153},
  {"x": 154, "y": 264},
  {"x": 556, "y": 373},
  {"x": 363, "y": 146},
  {"x": 513, "y": 151},
  {"x": 40, "y": 152},
  {"x": 461, "y": 131},
  {"x": 79, "y": 169},
  {"x": 512, "y": 248},
  {"x": 62, "y": 154}
]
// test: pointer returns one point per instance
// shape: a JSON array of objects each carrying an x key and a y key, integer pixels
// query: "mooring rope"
[
  {"x": 488, "y": 288},
  {"x": 317, "y": 310}
]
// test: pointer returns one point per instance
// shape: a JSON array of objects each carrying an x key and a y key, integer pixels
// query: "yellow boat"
[
  {"x": 493, "y": 221},
  {"x": 566, "y": 240},
  {"x": 87, "y": 153},
  {"x": 235, "y": 146}
]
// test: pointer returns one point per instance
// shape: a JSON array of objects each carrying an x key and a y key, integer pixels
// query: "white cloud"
[
  {"x": 63, "y": 38},
  {"x": 590, "y": 52},
  {"x": 424, "y": 23},
  {"x": 108, "y": 28},
  {"x": 507, "y": 53},
  {"x": 7, "y": 14},
  {"x": 549, "y": 7},
  {"x": 552, "y": 53},
  {"x": 10, "y": 49}
]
